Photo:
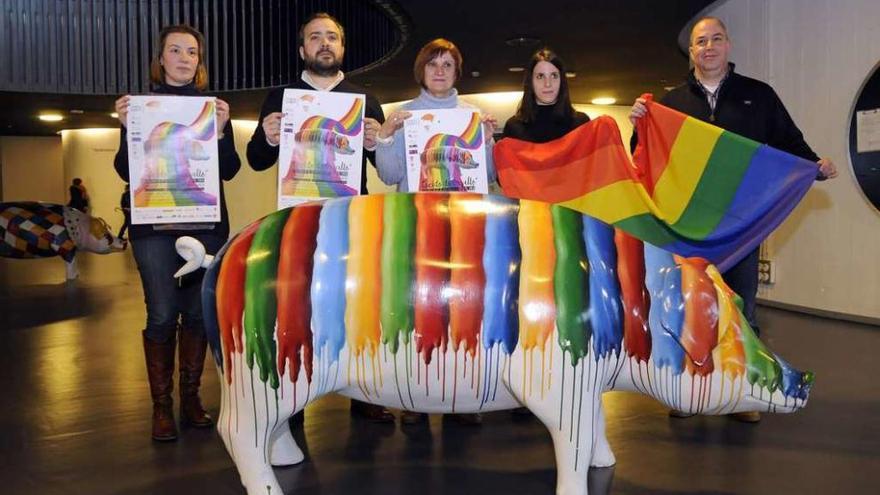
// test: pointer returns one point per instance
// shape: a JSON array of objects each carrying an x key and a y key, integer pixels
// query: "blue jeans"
[
  {"x": 743, "y": 279},
  {"x": 170, "y": 300}
]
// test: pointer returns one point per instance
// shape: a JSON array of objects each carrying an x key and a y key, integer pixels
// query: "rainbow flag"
[{"x": 692, "y": 188}]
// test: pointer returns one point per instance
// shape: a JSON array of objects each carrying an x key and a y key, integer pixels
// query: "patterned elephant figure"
[{"x": 41, "y": 230}]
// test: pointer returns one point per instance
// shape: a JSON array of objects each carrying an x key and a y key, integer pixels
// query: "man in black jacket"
[
  {"x": 714, "y": 93},
  {"x": 321, "y": 46}
]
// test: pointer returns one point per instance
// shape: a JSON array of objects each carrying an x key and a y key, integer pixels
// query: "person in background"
[
  {"x": 714, "y": 93},
  {"x": 79, "y": 196},
  {"x": 174, "y": 308},
  {"x": 321, "y": 47},
  {"x": 125, "y": 206}
]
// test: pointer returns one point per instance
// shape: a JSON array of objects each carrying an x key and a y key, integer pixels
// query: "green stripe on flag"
[
  {"x": 647, "y": 228},
  {"x": 721, "y": 178}
]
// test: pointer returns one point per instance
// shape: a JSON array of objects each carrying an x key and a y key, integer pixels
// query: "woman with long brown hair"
[
  {"x": 174, "y": 310},
  {"x": 545, "y": 112}
]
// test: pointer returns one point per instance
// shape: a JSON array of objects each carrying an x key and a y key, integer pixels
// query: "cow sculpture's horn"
[{"x": 194, "y": 253}]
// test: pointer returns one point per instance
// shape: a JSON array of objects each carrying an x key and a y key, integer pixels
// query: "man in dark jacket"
[
  {"x": 321, "y": 46},
  {"x": 715, "y": 93}
]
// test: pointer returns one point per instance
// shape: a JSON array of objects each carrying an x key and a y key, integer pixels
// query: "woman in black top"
[
  {"x": 545, "y": 112},
  {"x": 79, "y": 197},
  {"x": 178, "y": 68}
]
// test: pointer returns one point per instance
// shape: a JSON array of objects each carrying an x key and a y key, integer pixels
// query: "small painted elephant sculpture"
[
  {"x": 41, "y": 230},
  {"x": 459, "y": 302}
]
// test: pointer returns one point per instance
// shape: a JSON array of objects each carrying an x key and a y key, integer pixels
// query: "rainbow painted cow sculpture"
[{"x": 460, "y": 303}]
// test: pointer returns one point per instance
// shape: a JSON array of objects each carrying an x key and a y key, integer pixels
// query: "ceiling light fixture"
[
  {"x": 603, "y": 100},
  {"x": 571, "y": 75},
  {"x": 516, "y": 69},
  {"x": 522, "y": 41},
  {"x": 50, "y": 117},
  {"x": 114, "y": 115}
]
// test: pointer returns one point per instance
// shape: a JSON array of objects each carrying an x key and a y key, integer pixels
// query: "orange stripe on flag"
[{"x": 651, "y": 161}]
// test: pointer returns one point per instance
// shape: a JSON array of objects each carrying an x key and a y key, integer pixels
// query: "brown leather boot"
[
  {"x": 160, "y": 371},
  {"x": 193, "y": 345}
]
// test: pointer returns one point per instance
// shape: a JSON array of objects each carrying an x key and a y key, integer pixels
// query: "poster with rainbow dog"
[
  {"x": 173, "y": 159},
  {"x": 445, "y": 151},
  {"x": 322, "y": 142}
]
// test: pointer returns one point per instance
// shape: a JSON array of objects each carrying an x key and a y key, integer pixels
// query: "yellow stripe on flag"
[
  {"x": 612, "y": 203},
  {"x": 687, "y": 160}
]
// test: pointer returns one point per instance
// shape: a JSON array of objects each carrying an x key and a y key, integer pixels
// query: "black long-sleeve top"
[
  {"x": 545, "y": 127},
  {"x": 261, "y": 155},
  {"x": 229, "y": 164}
]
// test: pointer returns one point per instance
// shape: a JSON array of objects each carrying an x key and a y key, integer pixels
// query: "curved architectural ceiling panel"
[{"x": 104, "y": 47}]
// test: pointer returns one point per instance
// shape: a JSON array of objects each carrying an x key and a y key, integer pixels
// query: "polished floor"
[{"x": 75, "y": 417}]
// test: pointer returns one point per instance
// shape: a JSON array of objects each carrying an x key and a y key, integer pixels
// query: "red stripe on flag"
[{"x": 587, "y": 158}]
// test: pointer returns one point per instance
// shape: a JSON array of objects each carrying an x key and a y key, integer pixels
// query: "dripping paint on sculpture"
[{"x": 462, "y": 303}]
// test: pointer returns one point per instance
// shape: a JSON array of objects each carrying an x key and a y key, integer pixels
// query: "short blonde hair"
[{"x": 157, "y": 72}]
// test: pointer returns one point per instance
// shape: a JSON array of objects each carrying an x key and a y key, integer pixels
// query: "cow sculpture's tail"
[{"x": 193, "y": 251}]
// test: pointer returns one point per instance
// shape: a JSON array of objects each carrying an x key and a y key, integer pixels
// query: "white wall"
[
  {"x": 32, "y": 170},
  {"x": 816, "y": 54}
]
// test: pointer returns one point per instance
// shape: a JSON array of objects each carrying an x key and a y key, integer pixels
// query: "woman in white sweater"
[{"x": 436, "y": 69}]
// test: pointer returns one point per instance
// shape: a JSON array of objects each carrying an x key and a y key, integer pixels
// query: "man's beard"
[{"x": 321, "y": 68}]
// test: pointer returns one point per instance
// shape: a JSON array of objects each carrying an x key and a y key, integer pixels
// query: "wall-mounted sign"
[{"x": 864, "y": 138}]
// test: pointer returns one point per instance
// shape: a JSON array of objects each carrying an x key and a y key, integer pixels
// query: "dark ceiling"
[{"x": 618, "y": 49}]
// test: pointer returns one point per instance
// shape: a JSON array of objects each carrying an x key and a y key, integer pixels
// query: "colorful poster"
[
  {"x": 445, "y": 151},
  {"x": 173, "y": 159},
  {"x": 322, "y": 144}
]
